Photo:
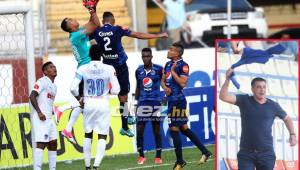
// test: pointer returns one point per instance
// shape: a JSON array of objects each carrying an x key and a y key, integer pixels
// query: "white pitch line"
[{"x": 154, "y": 166}]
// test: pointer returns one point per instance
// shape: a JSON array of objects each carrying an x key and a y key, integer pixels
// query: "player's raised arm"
[
  {"x": 93, "y": 22},
  {"x": 115, "y": 86},
  {"x": 142, "y": 35},
  {"x": 224, "y": 95}
]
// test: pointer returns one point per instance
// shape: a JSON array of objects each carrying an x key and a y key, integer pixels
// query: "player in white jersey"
[
  {"x": 45, "y": 134},
  {"x": 99, "y": 80}
]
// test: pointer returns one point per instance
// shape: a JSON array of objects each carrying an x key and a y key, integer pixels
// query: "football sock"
[
  {"x": 87, "y": 151},
  {"x": 191, "y": 135},
  {"x": 38, "y": 158},
  {"x": 177, "y": 144},
  {"x": 74, "y": 115},
  {"x": 52, "y": 160},
  {"x": 124, "y": 117},
  {"x": 100, "y": 152},
  {"x": 140, "y": 139}
]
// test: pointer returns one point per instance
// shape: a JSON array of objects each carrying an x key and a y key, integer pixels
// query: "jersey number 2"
[
  {"x": 107, "y": 43},
  {"x": 96, "y": 87}
]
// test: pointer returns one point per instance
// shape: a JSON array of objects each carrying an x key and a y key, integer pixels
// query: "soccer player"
[
  {"x": 99, "y": 80},
  {"x": 81, "y": 49},
  {"x": 148, "y": 78},
  {"x": 257, "y": 117},
  {"x": 45, "y": 134},
  {"x": 109, "y": 38},
  {"x": 175, "y": 77}
]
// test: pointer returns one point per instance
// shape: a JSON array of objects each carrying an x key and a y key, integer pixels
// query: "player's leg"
[
  {"x": 140, "y": 140},
  {"x": 38, "y": 155},
  {"x": 41, "y": 137},
  {"x": 87, "y": 143},
  {"x": 101, "y": 145},
  {"x": 158, "y": 142},
  {"x": 67, "y": 132},
  {"x": 123, "y": 78},
  {"x": 174, "y": 123},
  {"x": 52, "y": 148},
  {"x": 101, "y": 127},
  {"x": 174, "y": 131},
  {"x": 58, "y": 111},
  {"x": 193, "y": 137}
]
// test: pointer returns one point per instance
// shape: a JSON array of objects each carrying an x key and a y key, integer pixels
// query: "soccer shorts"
[
  {"x": 96, "y": 116},
  {"x": 177, "y": 115},
  {"x": 148, "y": 111},
  {"x": 123, "y": 78},
  {"x": 44, "y": 131}
]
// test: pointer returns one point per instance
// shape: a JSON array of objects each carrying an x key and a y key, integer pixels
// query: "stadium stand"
[
  {"x": 57, "y": 10},
  {"x": 281, "y": 73}
]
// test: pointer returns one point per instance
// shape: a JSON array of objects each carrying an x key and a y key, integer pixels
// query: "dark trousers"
[{"x": 261, "y": 160}]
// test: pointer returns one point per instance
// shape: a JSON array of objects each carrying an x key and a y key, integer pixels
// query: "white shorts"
[
  {"x": 44, "y": 131},
  {"x": 96, "y": 116}
]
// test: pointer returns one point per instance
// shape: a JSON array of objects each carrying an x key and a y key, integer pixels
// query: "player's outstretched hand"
[
  {"x": 293, "y": 140},
  {"x": 163, "y": 35},
  {"x": 42, "y": 116},
  {"x": 90, "y": 5}
]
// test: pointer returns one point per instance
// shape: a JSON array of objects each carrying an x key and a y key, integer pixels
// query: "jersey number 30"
[
  {"x": 95, "y": 87},
  {"x": 107, "y": 43}
]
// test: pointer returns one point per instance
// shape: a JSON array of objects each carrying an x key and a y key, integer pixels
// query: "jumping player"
[
  {"x": 45, "y": 133},
  {"x": 148, "y": 78},
  {"x": 175, "y": 77},
  {"x": 109, "y": 38}
]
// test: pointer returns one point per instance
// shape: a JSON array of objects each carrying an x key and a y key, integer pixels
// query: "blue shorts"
[
  {"x": 177, "y": 115},
  {"x": 148, "y": 111},
  {"x": 123, "y": 78}
]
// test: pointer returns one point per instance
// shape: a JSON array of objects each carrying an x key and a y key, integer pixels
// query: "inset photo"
[{"x": 257, "y": 104}]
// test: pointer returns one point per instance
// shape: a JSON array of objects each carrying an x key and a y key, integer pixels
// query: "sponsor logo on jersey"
[
  {"x": 36, "y": 87},
  {"x": 147, "y": 82},
  {"x": 168, "y": 76}
]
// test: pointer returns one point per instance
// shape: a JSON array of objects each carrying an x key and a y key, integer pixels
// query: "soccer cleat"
[
  {"x": 179, "y": 166},
  {"x": 69, "y": 136},
  {"x": 87, "y": 168},
  {"x": 204, "y": 158},
  {"x": 158, "y": 161},
  {"x": 141, "y": 160},
  {"x": 95, "y": 168},
  {"x": 128, "y": 132},
  {"x": 57, "y": 114},
  {"x": 131, "y": 120}
]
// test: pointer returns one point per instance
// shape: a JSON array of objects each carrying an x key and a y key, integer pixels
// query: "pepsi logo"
[
  {"x": 168, "y": 76},
  {"x": 147, "y": 82}
]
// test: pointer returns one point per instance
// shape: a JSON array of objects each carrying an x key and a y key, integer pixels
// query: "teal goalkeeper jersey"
[{"x": 81, "y": 46}]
